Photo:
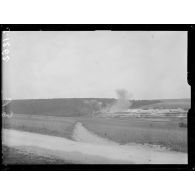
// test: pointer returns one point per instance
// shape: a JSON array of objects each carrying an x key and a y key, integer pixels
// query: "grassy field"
[
  {"x": 170, "y": 104},
  {"x": 55, "y": 126},
  {"x": 123, "y": 131}
]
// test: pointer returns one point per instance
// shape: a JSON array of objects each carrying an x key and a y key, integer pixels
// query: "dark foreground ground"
[{"x": 15, "y": 156}]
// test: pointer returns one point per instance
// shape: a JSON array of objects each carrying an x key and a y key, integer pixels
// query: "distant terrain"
[
  {"x": 75, "y": 107},
  {"x": 68, "y": 107}
]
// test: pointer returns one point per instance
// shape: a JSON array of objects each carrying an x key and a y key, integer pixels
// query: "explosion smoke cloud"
[{"x": 123, "y": 103}]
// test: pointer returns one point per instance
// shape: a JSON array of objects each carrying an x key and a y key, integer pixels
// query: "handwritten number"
[
  {"x": 5, "y": 52},
  {"x": 6, "y": 44},
  {"x": 6, "y": 58}
]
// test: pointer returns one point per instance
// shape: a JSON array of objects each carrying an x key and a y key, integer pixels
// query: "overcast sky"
[{"x": 149, "y": 65}]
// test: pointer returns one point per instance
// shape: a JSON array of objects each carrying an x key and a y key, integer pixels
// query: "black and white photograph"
[{"x": 95, "y": 97}]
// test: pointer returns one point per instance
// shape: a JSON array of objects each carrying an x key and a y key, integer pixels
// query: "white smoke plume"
[{"x": 122, "y": 103}]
